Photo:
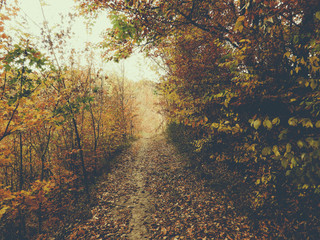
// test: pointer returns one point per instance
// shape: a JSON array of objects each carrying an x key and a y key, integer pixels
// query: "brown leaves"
[
  {"x": 110, "y": 218},
  {"x": 187, "y": 209}
]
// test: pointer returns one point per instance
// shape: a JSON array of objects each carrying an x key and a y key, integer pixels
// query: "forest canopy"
[
  {"x": 241, "y": 88},
  {"x": 242, "y": 85}
]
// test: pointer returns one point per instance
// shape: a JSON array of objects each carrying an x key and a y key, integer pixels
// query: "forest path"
[
  {"x": 151, "y": 194},
  {"x": 141, "y": 201},
  {"x": 125, "y": 205}
]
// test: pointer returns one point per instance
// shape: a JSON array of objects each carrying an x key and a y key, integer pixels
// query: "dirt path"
[
  {"x": 141, "y": 201},
  {"x": 125, "y": 206},
  {"x": 151, "y": 194}
]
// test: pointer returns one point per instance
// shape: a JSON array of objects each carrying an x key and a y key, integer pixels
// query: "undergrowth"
[{"x": 283, "y": 214}]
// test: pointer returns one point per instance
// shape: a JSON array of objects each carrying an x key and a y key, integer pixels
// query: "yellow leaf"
[
  {"x": 252, "y": 147},
  {"x": 276, "y": 121},
  {"x": 215, "y": 125},
  {"x": 306, "y": 122},
  {"x": 245, "y": 40},
  {"x": 267, "y": 123},
  {"x": 300, "y": 144},
  {"x": 240, "y": 28},
  {"x": 287, "y": 54},
  {"x": 3, "y": 210},
  {"x": 163, "y": 230},
  {"x": 59, "y": 127},
  {"x": 288, "y": 147},
  {"x": 275, "y": 150},
  {"x": 238, "y": 25},
  {"x": 293, "y": 121},
  {"x": 257, "y": 124},
  {"x": 293, "y": 58},
  {"x": 270, "y": 19},
  {"x": 241, "y": 18},
  {"x": 266, "y": 151},
  {"x": 313, "y": 84}
]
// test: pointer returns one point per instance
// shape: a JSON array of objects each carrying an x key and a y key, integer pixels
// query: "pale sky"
[{"x": 137, "y": 67}]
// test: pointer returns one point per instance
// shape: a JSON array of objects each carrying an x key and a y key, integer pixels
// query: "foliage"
[
  {"x": 59, "y": 126},
  {"x": 244, "y": 76}
]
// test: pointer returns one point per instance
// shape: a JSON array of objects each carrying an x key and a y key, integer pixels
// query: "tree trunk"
[
  {"x": 95, "y": 139},
  {"x": 40, "y": 218},
  {"x": 21, "y": 163},
  {"x": 30, "y": 162},
  {"x": 85, "y": 175},
  {"x": 22, "y": 224}
]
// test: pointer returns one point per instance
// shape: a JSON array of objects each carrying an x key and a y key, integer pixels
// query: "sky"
[{"x": 31, "y": 20}]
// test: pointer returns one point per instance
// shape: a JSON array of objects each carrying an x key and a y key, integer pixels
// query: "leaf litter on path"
[{"x": 151, "y": 194}]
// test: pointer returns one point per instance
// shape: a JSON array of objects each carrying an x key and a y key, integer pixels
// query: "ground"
[{"x": 152, "y": 194}]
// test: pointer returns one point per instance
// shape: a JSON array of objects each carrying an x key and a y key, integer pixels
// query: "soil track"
[{"x": 151, "y": 194}]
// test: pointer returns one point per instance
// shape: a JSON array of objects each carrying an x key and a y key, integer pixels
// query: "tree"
[{"x": 243, "y": 77}]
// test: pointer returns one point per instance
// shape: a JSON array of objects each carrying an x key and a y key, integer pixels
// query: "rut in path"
[
  {"x": 151, "y": 194},
  {"x": 141, "y": 202}
]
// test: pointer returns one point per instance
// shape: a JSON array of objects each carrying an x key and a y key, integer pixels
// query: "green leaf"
[
  {"x": 318, "y": 15},
  {"x": 318, "y": 124}
]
